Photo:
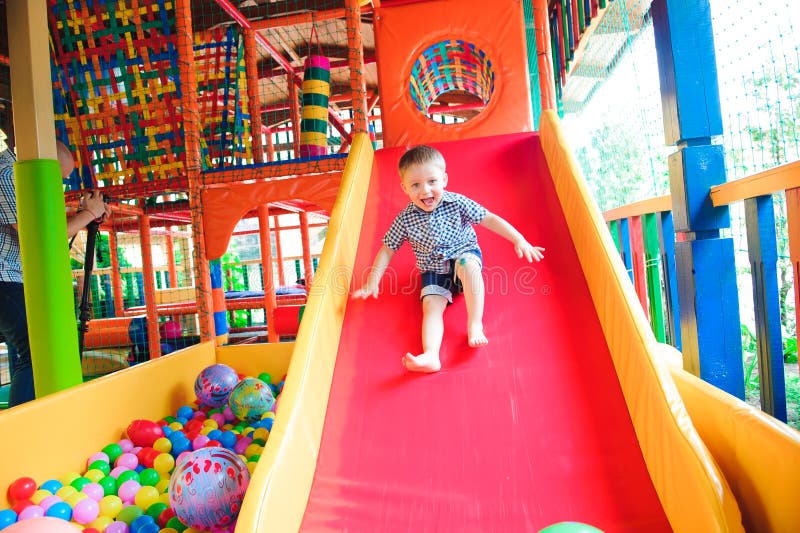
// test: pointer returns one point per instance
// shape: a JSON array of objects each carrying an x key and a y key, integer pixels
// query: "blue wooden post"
[
  {"x": 625, "y": 246},
  {"x": 709, "y": 312},
  {"x": 666, "y": 244},
  {"x": 763, "y": 251}
]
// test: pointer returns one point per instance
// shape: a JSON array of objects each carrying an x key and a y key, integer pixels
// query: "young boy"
[{"x": 438, "y": 225}]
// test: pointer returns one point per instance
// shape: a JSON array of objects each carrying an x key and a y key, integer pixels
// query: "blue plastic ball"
[
  {"x": 51, "y": 486},
  {"x": 7, "y": 517},
  {"x": 60, "y": 510}
]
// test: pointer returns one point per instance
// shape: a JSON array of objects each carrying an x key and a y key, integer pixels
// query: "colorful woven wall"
[
  {"x": 117, "y": 98},
  {"x": 448, "y": 66},
  {"x": 222, "y": 97}
]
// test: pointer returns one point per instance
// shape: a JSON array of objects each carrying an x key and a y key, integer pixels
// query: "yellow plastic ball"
[
  {"x": 164, "y": 498},
  {"x": 40, "y": 495},
  {"x": 75, "y": 498},
  {"x": 175, "y": 426},
  {"x": 94, "y": 475},
  {"x": 162, "y": 486},
  {"x": 146, "y": 496},
  {"x": 251, "y": 467},
  {"x": 261, "y": 433},
  {"x": 210, "y": 422},
  {"x": 110, "y": 506},
  {"x": 164, "y": 463},
  {"x": 101, "y": 523},
  {"x": 164, "y": 445},
  {"x": 268, "y": 414},
  {"x": 253, "y": 449},
  {"x": 68, "y": 478},
  {"x": 66, "y": 491}
]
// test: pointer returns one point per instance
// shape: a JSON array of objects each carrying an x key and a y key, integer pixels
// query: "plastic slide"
[
  {"x": 531, "y": 430},
  {"x": 528, "y": 431}
]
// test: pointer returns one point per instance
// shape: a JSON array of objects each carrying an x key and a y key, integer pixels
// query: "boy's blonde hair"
[{"x": 421, "y": 155}]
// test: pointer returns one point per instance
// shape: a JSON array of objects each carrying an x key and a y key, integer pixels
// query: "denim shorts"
[{"x": 447, "y": 285}]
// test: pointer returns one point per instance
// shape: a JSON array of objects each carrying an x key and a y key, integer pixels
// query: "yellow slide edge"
[
  {"x": 691, "y": 488},
  {"x": 281, "y": 483}
]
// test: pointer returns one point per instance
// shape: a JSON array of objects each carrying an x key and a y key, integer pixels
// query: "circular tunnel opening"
[{"x": 451, "y": 81}]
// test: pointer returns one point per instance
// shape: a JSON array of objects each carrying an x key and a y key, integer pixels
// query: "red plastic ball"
[
  {"x": 21, "y": 489},
  {"x": 20, "y": 505},
  {"x": 144, "y": 432},
  {"x": 165, "y": 516}
]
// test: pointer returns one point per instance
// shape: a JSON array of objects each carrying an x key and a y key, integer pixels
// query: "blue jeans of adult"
[{"x": 14, "y": 329}]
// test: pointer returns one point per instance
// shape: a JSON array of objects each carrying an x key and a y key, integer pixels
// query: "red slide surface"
[{"x": 526, "y": 432}]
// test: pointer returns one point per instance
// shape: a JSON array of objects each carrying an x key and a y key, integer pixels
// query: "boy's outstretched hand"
[
  {"x": 366, "y": 291},
  {"x": 528, "y": 251}
]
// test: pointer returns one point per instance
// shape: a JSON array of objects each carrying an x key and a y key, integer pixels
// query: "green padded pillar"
[{"x": 46, "y": 274}]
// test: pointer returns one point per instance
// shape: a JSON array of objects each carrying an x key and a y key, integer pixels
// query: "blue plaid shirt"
[
  {"x": 439, "y": 235},
  {"x": 10, "y": 265}
]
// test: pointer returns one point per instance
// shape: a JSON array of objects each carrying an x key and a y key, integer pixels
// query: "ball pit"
[{"x": 130, "y": 479}]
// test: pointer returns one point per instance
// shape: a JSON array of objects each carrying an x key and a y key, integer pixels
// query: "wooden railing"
[{"x": 645, "y": 237}]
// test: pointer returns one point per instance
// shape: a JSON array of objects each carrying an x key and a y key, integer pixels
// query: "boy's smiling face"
[{"x": 424, "y": 184}]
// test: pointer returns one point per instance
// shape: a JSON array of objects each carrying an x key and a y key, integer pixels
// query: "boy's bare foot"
[
  {"x": 476, "y": 337},
  {"x": 423, "y": 362}
]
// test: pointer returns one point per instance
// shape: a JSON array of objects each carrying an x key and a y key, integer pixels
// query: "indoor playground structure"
[{"x": 220, "y": 377}]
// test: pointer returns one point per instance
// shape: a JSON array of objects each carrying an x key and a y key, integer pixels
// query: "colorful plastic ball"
[
  {"x": 51, "y": 485},
  {"x": 7, "y": 517},
  {"x": 144, "y": 432},
  {"x": 116, "y": 527},
  {"x": 214, "y": 384},
  {"x": 44, "y": 524},
  {"x": 207, "y": 488},
  {"x": 85, "y": 511},
  {"x": 570, "y": 527},
  {"x": 250, "y": 399},
  {"x": 60, "y": 510},
  {"x": 21, "y": 489},
  {"x": 31, "y": 511},
  {"x": 170, "y": 330},
  {"x": 109, "y": 485},
  {"x": 48, "y": 502},
  {"x": 110, "y": 506},
  {"x": 129, "y": 514}
]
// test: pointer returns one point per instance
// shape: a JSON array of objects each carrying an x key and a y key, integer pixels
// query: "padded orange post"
[
  {"x": 355, "y": 59},
  {"x": 307, "y": 265},
  {"x": 544, "y": 55},
  {"x": 116, "y": 276},
  {"x": 266, "y": 269},
  {"x": 279, "y": 252},
  {"x": 191, "y": 138},
  {"x": 149, "y": 278},
  {"x": 173, "y": 274},
  {"x": 294, "y": 111},
  {"x": 253, "y": 98}
]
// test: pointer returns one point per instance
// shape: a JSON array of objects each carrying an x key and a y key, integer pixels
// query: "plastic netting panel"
[
  {"x": 758, "y": 63},
  {"x": 612, "y": 105}
]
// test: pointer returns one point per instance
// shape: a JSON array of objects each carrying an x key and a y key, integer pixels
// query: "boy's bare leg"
[
  {"x": 468, "y": 271},
  {"x": 433, "y": 307}
]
